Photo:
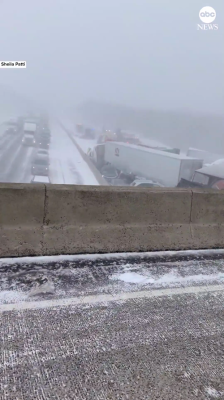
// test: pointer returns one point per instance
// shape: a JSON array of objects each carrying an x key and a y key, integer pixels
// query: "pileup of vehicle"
[
  {"x": 122, "y": 156},
  {"x": 163, "y": 167}
]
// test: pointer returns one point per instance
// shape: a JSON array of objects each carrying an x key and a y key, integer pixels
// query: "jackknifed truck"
[{"x": 161, "y": 166}]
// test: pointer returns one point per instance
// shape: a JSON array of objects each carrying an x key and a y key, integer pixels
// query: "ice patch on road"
[
  {"x": 11, "y": 296},
  {"x": 167, "y": 279},
  {"x": 130, "y": 277},
  {"x": 46, "y": 288}
]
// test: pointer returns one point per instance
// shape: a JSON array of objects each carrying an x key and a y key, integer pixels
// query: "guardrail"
[{"x": 60, "y": 219}]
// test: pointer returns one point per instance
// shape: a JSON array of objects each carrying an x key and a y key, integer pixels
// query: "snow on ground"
[
  {"x": 213, "y": 393},
  {"x": 67, "y": 165},
  {"x": 11, "y": 296},
  {"x": 166, "y": 279},
  {"x": 86, "y": 144},
  {"x": 110, "y": 256},
  {"x": 119, "y": 277}
]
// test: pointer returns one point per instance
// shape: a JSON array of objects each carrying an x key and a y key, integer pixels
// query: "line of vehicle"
[{"x": 102, "y": 298}]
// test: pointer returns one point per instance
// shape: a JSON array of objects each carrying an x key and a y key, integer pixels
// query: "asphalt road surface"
[{"x": 112, "y": 328}]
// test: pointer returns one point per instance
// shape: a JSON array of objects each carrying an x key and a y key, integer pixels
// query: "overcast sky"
[{"x": 145, "y": 53}]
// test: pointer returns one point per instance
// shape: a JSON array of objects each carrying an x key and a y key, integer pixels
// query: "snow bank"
[
  {"x": 108, "y": 256},
  {"x": 11, "y": 296}
]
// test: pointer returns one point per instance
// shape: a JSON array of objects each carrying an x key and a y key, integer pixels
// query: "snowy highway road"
[{"x": 66, "y": 163}]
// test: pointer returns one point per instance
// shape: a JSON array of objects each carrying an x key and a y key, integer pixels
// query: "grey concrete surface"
[
  {"x": 115, "y": 219},
  {"x": 207, "y": 217},
  {"x": 21, "y": 218},
  {"x": 67, "y": 219},
  {"x": 113, "y": 339}
]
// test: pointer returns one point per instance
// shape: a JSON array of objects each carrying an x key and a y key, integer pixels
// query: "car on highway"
[
  {"x": 40, "y": 179},
  {"x": 45, "y": 131},
  {"x": 46, "y": 136},
  {"x": 11, "y": 129},
  {"x": 40, "y": 166},
  {"x": 29, "y": 139},
  {"x": 43, "y": 153},
  {"x": 43, "y": 142},
  {"x": 145, "y": 183}
]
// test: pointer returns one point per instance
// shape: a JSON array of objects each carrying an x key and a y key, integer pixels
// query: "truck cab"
[
  {"x": 211, "y": 175},
  {"x": 29, "y": 132}
]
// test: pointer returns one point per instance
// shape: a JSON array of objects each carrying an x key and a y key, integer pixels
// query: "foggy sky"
[{"x": 144, "y": 53}]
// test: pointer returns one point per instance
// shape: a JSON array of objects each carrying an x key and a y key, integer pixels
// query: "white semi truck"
[
  {"x": 165, "y": 168},
  {"x": 29, "y": 132}
]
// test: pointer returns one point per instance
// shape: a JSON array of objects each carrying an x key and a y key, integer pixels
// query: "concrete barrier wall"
[
  {"x": 21, "y": 219},
  {"x": 61, "y": 219}
]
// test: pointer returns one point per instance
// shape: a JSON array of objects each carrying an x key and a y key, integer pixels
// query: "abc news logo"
[{"x": 207, "y": 15}]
